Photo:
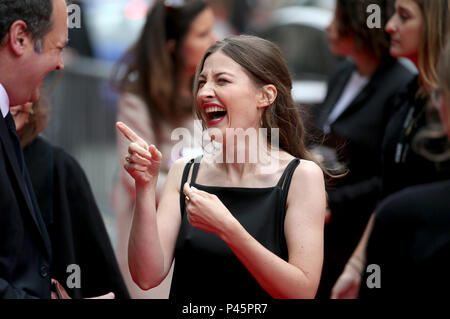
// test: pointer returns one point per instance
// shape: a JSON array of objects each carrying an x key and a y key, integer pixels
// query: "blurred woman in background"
[
  {"x": 154, "y": 79},
  {"x": 410, "y": 240},
  {"x": 353, "y": 119},
  {"x": 419, "y": 30}
]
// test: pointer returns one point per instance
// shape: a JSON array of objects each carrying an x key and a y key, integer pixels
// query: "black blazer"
[
  {"x": 410, "y": 241},
  {"x": 25, "y": 250},
  {"x": 409, "y": 168},
  {"x": 357, "y": 136},
  {"x": 358, "y": 133},
  {"x": 74, "y": 222}
]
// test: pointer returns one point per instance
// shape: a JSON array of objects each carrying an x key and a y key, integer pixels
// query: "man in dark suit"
[{"x": 32, "y": 34}]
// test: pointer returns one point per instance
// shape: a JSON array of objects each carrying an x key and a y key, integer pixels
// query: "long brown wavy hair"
[{"x": 436, "y": 30}]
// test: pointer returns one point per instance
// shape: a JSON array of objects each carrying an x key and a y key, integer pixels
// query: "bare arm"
[
  {"x": 153, "y": 232},
  {"x": 348, "y": 284},
  {"x": 359, "y": 255}
]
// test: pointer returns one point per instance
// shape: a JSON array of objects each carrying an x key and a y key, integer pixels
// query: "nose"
[
  {"x": 60, "y": 65},
  {"x": 214, "y": 38},
  {"x": 205, "y": 92},
  {"x": 390, "y": 25}
]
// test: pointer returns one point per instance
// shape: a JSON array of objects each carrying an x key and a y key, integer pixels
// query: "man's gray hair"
[{"x": 37, "y": 14}]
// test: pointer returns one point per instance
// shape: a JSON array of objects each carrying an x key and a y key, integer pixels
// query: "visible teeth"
[{"x": 214, "y": 109}]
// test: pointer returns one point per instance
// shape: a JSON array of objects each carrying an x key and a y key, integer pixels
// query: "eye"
[
  {"x": 200, "y": 83},
  {"x": 404, "y": 17},
  {"x": 223, "y": 81}
]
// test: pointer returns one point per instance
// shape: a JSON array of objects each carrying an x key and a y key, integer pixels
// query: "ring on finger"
[
  {"x": 186, "y": 197},
  {"x": 128, "y": 158}
]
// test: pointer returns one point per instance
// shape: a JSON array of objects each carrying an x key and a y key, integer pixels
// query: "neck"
[
  {"x": 245, "y": 158},
  {"x": 366, "y": 63},
  {"x": 424, "y": 88}
]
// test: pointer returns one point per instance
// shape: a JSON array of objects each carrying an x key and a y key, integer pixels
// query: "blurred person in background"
[
  {"x": 410, "y": 240},
  {"x": 77, "y": 233},
  {"x": 353, "y": 119},
  {"x": 419, "y": 30},
  {"x": 154, "y": 78},
  {"x": 80, "y": 41}
]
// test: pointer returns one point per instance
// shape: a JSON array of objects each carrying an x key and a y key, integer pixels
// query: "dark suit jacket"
[
  {"x": 358, "y": 134},
  {"x": 410, "y": 241},
  {"x": 74, "y": 222},
  {"x": 25, "y": 250},
  {"x": 414, "y": 168}
]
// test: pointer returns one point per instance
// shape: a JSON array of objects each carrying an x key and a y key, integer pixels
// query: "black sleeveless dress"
[{"x": 205, "y": 267}]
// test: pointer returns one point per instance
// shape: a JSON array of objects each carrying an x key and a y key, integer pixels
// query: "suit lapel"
[
  {"x": 35, "y": 215},
  {"x": 335, "y": 92},
  {"x": 358, "y": 101},
  {"x": 374, "y": 82}
]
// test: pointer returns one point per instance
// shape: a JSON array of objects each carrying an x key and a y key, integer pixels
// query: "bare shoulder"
[
  {"x": 308, "y": 182},
  {"x": 308, "y": 171},
  {"x": 176, "y": 171}
]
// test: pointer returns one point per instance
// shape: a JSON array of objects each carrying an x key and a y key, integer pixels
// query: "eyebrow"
[
  {"x": 217, "y": 74},
  {"x": 402, "y": 8}
]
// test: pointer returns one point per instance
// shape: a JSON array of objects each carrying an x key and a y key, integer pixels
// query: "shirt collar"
[{"x": 4, "y": 101}]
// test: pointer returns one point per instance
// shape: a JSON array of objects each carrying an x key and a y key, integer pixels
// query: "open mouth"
[{"x": 215, "y": 114}]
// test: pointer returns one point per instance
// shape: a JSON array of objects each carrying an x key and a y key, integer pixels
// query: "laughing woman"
[{"x": 251, "y": 229}]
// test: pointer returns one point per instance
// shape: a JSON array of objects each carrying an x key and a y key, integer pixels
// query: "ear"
[
  {"x": 171, "y": 46},
  {"x": 267, "y": 95},
  {"x": 19, "y": 38}
]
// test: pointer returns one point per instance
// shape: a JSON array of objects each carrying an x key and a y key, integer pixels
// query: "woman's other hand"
[{"x": 206, "y": 211}]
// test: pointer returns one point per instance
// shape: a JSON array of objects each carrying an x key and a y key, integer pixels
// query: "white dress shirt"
[
  {"x": 354, "y": 86},
  {"x": 4, "y": 101}
]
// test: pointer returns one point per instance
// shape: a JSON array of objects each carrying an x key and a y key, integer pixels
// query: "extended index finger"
[{"x": 129, "y": 133}]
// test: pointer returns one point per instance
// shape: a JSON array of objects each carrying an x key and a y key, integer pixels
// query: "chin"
[{"x": 395, "y": 54}]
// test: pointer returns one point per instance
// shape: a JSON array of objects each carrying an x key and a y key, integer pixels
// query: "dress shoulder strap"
[
  {"x": 286, "y": 178},
  {"x": 186, "y": 170},
  {"x": 195, "y": 169},
  {"x": 288, "y": 171}
]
